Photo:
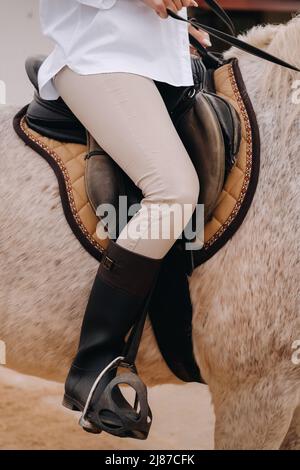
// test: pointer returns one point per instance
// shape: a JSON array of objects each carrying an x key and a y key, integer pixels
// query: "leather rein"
[{"x": 230, "y": 39}]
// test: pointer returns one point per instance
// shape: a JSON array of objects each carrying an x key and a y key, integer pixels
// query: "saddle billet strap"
[
  {"x": 233, "y": 41},
  {"x": 221, "y": 13}
]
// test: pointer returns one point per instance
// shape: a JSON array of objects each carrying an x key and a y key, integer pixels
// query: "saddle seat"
[{"x": 212, "y": 150}]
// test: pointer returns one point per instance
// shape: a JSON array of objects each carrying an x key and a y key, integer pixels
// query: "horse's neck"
[{"x": 270, "y": 91}]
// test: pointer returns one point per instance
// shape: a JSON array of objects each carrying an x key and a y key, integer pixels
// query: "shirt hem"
[{"x": 49, "y": 92}]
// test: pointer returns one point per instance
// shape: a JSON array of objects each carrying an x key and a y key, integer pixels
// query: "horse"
[{"x": 245, "y": 298}]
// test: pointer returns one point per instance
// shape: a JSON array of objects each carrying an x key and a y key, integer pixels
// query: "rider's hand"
[
  {"x": 201, "y": 36},
  {"x": 160, "y": 6}
]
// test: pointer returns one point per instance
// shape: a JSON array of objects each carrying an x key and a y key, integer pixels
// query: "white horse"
[{"x": 245, "y": 299}]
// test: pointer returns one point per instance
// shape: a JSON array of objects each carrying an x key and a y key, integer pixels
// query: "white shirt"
[{"x": 94, "y": 36}]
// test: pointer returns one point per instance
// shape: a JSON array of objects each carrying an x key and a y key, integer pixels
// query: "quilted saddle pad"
[{"x": 67, "y": 160}]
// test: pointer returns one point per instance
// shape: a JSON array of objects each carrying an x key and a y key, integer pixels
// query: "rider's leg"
[{"x": 127, "y": 117}]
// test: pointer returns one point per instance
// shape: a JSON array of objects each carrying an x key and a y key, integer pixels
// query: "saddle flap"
[
  {"x": 105, "y": 182},
  {"x": 200, "y": 131},
  {"x": 230, "y": 124}
]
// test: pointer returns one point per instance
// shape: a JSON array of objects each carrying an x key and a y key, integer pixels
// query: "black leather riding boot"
[{"x": 121, "y": 287}]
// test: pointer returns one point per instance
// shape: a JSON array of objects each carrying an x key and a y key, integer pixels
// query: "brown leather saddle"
[{"x": 212, "y": 150}]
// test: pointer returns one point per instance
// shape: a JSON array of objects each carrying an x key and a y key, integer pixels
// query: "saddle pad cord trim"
[{"x": 237, "y": 216}]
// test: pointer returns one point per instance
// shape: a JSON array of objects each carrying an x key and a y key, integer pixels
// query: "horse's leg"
[
  {"x": 292, "y": 439},
  {"x": 252, "y": 416}
]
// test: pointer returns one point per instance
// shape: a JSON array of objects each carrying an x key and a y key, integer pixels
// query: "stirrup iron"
[{"x": 124, "y": 420}]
